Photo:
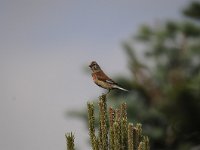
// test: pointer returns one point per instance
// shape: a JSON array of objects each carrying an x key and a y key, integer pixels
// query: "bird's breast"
[
  {"x": 94, "y": 77},
  {"x": 101, "y": 83}
]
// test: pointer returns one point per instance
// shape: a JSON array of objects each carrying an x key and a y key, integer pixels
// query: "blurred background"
[{"x": 150, "y": 47}]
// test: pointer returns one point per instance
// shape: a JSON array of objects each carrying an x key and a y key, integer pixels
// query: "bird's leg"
[{"x": 108, "y": 91}]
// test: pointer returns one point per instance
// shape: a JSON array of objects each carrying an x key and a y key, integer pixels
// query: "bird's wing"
[{"x": 103, "y": 77}]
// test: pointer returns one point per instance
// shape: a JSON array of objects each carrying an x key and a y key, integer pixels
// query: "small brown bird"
[{"x": 101, "y": 79}]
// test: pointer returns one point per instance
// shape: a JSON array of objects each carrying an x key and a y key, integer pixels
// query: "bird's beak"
[{"x": 90, "y": 66}]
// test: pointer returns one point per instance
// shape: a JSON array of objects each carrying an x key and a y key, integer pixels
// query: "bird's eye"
[{"x": 96, "y": 67}]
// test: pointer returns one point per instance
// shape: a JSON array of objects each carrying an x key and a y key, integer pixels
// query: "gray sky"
[{"x": 44, "y": 45}]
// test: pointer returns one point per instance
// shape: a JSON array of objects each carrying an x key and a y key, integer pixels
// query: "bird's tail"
[{"x": 118, "y": 87}]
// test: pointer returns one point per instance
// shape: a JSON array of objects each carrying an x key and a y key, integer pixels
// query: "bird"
[{"x": 102, "y": 80}]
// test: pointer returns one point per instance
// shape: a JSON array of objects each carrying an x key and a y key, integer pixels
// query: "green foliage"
[
  {"x": 103, "y": 130},
  {"x": 144, "y": 145},
  {"x": 114, "y": 124},
  {"x": 91, "y": 118},
  {"x": 114, "y": 131},
  {"x": 70, "y": 141},
  {"x": 193, "y": 10},
  {"x": 130, "y": 136}
]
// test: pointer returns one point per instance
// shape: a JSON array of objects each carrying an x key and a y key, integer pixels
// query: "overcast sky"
[{"x": 44, "y": 46}]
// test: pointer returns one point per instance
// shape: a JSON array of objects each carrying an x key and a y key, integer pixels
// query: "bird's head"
[{"x": 94, "y": 66}]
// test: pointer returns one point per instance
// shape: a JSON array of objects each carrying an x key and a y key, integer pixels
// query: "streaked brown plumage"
[{"x": 101, "y": 79}]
